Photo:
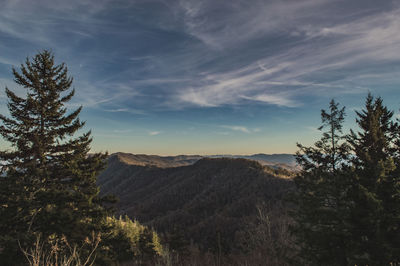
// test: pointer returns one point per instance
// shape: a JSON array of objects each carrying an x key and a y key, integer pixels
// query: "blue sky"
[{"x": 205, "y": 76}]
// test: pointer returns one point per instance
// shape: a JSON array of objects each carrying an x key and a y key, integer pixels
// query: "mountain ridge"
[
  {"x": 284, "y": 160},
  {"x": 211, "y": 201}
]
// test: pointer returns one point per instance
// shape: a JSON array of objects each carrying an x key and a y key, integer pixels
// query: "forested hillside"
[{"x": 212, "y": 203}]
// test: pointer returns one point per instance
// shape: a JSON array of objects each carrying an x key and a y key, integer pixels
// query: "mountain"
[
  {"x": 285, "y": 161},
  {"x": 288, "y": 159},
  {"x": 207, "y": 201},
  {"x": 157, "y": 161}
]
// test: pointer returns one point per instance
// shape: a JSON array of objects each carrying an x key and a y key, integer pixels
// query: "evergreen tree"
[
  {"x": 322, "y": 207},
  {"x": 348, "y": 196},
  {"x": 375, "y": 214},
  {"x": 48, "y": 179}
]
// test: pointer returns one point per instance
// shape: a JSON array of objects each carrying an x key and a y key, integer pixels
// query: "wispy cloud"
[
  {"x": 35, "y": 22},
  {"x": 235, "y": 22},
  {"x": 126, "y": 110},
  {"x": 214, "y": 54},
  {"x": 7, "y": 61},
  {"x": 242, "y": 129},
  {"x": 325, "y": 59},
  {"x": 237, "y": 128},
  {"x": 154, "y": 133},
  {"x": 273, "y": 99},
  {"x": 234, "y": 86}
]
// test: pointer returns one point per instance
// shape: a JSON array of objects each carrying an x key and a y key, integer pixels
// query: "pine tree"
[
  {"x": 322, "y": 208},
  {"x": 375, "y": 194},
  {"x": 48, "y": 178},
  {"x": 348, "y": 204}
]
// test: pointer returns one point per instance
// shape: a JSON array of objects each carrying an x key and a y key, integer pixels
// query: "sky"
[{"x": 208, "y": 77}]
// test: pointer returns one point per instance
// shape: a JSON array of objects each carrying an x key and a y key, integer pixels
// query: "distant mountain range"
[
  {"x": 207, "y": 201},
  {"x": 283, "y": 160},
  {"x": 155, "y": 160},
  {"x": 286, "y": 161}
]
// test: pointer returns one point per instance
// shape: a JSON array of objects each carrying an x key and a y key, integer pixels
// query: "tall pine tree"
[
  {"x": 48, "y": 179},
  {"x": 322, "y": 207},
  {"x": 375, "y": 214},
  {"x": 348, "y": 192}
]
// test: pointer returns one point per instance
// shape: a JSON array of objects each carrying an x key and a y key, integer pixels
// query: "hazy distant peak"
[
  {"x": 155, "y": 160},
  {"x": 286, "y": 161}
]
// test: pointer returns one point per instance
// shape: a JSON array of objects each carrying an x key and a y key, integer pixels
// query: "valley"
[{"x": 209, "y": 203}]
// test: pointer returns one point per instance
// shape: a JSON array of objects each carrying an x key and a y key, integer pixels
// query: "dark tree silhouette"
[
  {"x": 375, "y": 213},
  {"x": 48, "y": 182},
  {"x": 348, "y": 193},
  {"x": 321, "y": 195}
]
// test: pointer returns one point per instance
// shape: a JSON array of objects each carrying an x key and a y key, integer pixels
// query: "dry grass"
[{"x": 56, "y": 251}]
